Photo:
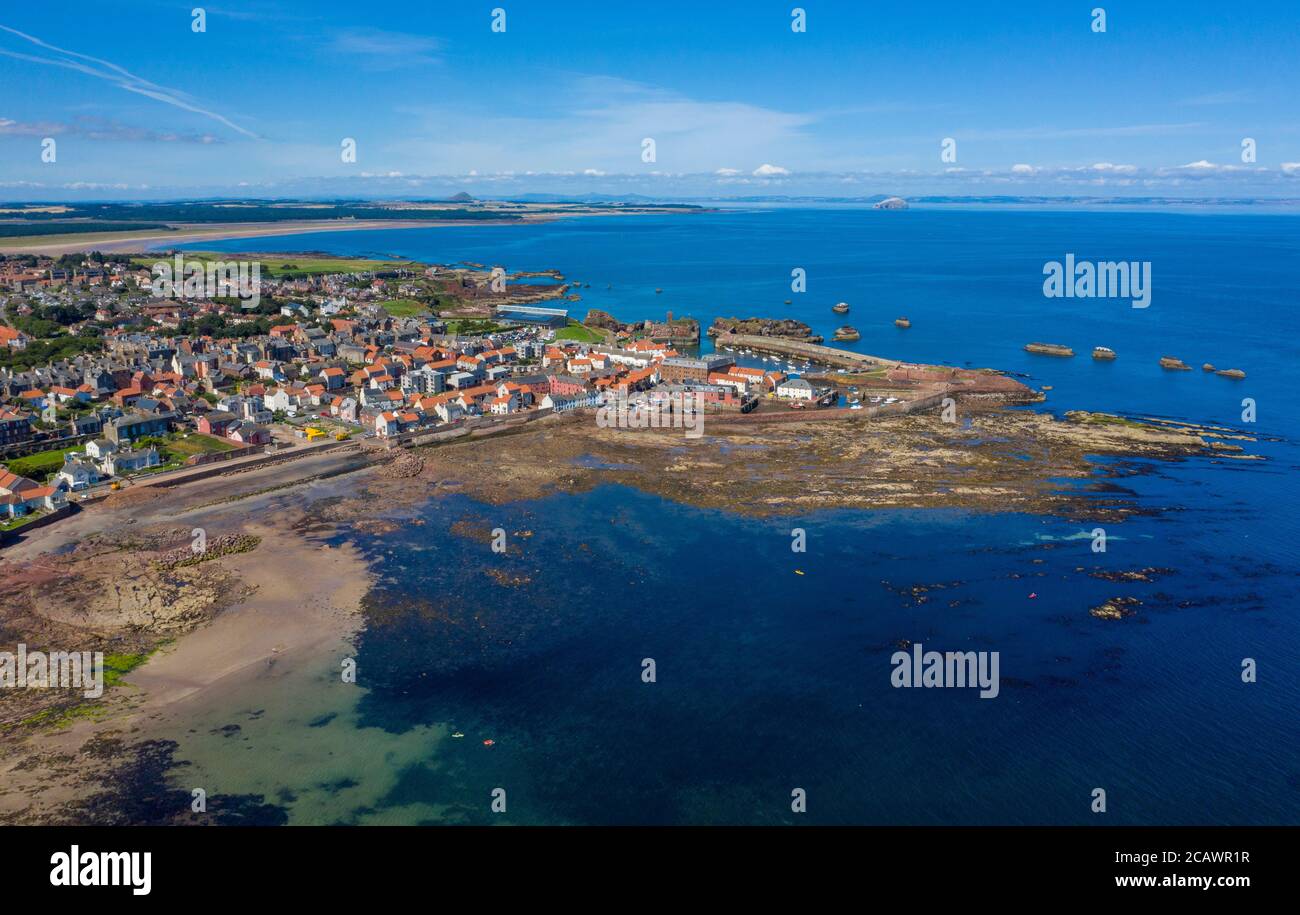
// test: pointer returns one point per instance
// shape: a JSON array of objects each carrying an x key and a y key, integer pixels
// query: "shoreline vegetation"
[{"x": 114, "y": 576}]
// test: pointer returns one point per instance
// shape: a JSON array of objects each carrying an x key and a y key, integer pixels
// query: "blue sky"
[{"x": 737, "y": 103}]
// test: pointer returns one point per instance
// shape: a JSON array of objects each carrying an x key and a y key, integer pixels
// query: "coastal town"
[
  {"x": 143, "y": 406},
  {"x": 104, "y": 383}
]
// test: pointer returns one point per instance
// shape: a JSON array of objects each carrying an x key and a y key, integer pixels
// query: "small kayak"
[
  {"x": 798, "y": 571},
  {"x": 458, "y": 734},
  {"x": 489, "y": 742}
]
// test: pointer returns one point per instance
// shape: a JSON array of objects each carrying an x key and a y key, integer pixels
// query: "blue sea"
[{"x": 768, "y": 681}]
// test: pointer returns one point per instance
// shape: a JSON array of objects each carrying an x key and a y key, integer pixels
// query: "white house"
[
  {"x": 796, "y": 389},
  {"x": 122, "y": 462},
  {"x": 76, "y": 473},
  {"x": 449, "y": 411},
  {"x": 504, "y": 405},
  {"x": 100, "y": 448}
]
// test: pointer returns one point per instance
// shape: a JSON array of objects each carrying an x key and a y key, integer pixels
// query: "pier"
[{"x": 823, "y": 355}]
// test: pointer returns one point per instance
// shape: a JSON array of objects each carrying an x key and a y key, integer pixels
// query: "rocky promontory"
[
  {"x": 602, "y": 319},
  {"x": 785, "y": 328}
]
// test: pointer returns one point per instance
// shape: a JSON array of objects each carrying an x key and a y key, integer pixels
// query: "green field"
[
  {"x": 579, "y": 334},
  {"x": 403, "y": 308},
  {"x": 195, "y": 443},
  {"x": 275, "y": 266},
  {"x": 38, "y": 466},
  {"x": 473, "y": 326}
]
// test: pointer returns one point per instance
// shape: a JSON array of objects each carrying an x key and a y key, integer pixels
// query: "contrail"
[{"x": 118, "y": 76}]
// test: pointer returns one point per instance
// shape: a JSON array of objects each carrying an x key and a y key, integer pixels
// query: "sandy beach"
[
  {"x": 288, "y": 603},
  {"x": 139, "y": 241}
]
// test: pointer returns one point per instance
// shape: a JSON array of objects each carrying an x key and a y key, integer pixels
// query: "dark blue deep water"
[{"x": 768, "y": 680}]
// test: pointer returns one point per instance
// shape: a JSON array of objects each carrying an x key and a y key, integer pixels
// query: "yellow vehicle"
[
  {"x": 313, "y": 433},
  {"x": 341, "y": 436}
]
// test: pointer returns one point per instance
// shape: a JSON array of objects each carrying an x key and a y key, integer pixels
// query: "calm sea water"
[{"x": 768, "y": 680}]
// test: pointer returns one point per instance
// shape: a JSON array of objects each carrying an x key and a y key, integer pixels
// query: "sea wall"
[{"x": 826, "y": 355}]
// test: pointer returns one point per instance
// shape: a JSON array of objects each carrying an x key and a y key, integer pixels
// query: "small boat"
[
  {"x": 840, "y": 308},
  {"x": 787, "y": 301},
  {"x": 902, "y": 322},
  {"x": 657, "y": 291},
  {"x": 458, "y": 734},
  {"x": 1103, "y": 352}
]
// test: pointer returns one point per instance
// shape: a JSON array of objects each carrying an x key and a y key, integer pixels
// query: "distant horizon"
[
  {"x": 156, "y": 101},
  {"x": 1109, "y": 200}
]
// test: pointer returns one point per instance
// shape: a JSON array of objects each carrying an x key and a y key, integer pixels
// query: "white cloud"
[
  {"x": 599, "y": 122},
  {"x": 1022, "y": 169},
  {"x": 1232, "y": 97},
  {"x": 727, "y": 172},
  {"x": 769, "y": 171},
  {"x": 380, "y": 50}
]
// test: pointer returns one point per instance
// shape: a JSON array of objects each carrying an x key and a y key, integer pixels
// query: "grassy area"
[
  {"x": 474, "y": 326},
  {"x": 15, "y": 523},
  {"x": 117, "y": 666},
  {"x": 403, "y": 308},
  {"x": 195, "y": 443},
  {"x": 38, "y": 466},
  {"x": 1103, "y": 419},
  {"x": 280, "y": 265},
  {"x": 579, "y": 334}
]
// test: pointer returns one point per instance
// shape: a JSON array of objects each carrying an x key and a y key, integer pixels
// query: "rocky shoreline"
[
  {"x": 785, "y": 328},
  {"x": 136, "y": 590}
]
